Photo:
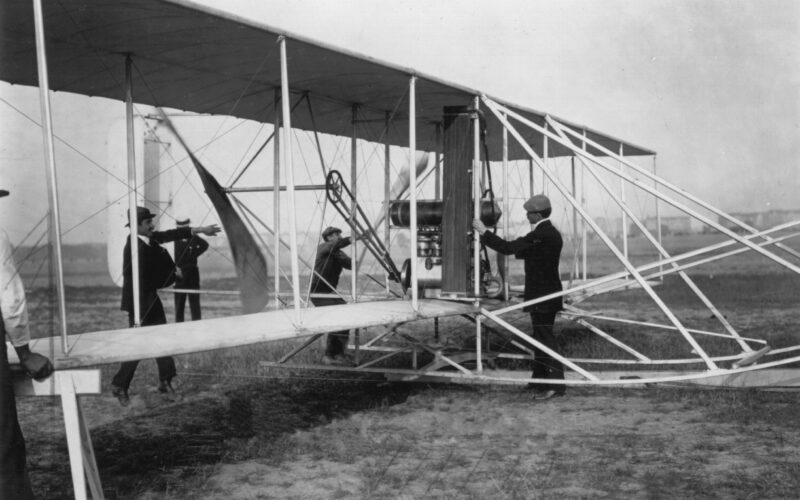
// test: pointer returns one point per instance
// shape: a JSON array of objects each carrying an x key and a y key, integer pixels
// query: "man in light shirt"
[{"x": 14, "y": 481}]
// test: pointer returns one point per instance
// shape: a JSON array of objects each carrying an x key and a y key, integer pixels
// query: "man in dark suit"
[
  {"x": 187, "y": 250},
  {"x": 541, "y": 250},
  {"x": 156, "y": 270}
]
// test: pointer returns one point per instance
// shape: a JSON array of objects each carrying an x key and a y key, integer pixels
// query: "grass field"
[{"x": 241, "y": 431}]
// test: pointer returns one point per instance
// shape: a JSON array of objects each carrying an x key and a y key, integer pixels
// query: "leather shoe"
[
  {"x": 345, "y": 359},
  {"x": 547, "y": 394},
  {"x": 166, "y": 389},
  {"x": 331, "y": 360},
  {"x": 121, "y": 394}
]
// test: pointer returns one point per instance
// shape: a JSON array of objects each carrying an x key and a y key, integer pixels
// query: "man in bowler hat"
[{"x": 156, "y": 270}]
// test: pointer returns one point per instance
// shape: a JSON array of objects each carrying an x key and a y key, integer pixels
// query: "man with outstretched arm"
[
  {"x": 14, "y": 481},
  {"x": 541, "y": 251},
  {"x": 156, "y": 270}
]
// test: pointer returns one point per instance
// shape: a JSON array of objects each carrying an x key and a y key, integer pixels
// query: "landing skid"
[{"x": 461, "y": 367}]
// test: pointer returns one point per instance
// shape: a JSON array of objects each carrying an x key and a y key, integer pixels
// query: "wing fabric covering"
[{"x": 250, "y": 264}]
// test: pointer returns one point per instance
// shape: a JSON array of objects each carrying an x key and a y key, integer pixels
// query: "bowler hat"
[
  {"x": 3, "y": 192},
  {"x": 537, "y": 203},
  {"x": 142, "y": 214},
  {"x": 329, "y": 231}
]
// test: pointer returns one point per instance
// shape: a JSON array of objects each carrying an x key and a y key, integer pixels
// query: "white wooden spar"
[
  {"x": 613, "y": 279},
  {"x": 412, "y": 183},
  {"x": 584, "y": 226},
  {"x": 506, "y": 212},
  {"x": 661, "y": 196},
  {"x": 287, "y": 156},
  {"x": 631, "y": 269},
  {"x": 657, "y": 203},
  {"x": 662, "y": 252},
  {"x": 50, "y": 170},
  {"x": 353, "y": 210},
  {"x": 133, "y": 219},
  {"x": 622, "y": 200},
  {"x": 387, "y": 188},
  {"x": 276, "y": 200},
  {"x": 476, "y": 214}
]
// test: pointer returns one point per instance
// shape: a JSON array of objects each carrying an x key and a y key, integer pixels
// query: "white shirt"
[{"x": 12, "y": 296}]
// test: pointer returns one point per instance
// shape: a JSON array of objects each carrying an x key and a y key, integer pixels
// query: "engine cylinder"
[{"x": 429, "y": 213}]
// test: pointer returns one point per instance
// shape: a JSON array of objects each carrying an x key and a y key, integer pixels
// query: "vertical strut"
[
  {"x": 52, "y": 181},
  {"x": 287, "y": 155},
  {"x": 412, "y": 186},
  {"x": 276, "y": 200}
]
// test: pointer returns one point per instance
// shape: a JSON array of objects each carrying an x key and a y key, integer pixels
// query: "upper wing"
[{"x": 194, "y": 58}]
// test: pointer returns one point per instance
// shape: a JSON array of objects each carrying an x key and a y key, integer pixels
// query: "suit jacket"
[
  {"x": 329, "y": 264},
  {"x": 188, "y": 250},
  {"x": 151, "y": 271},
  {"x": 541, "y": 250}
]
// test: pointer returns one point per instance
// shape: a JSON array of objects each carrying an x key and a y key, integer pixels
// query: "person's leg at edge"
[
  {"x": 121, "y": 381},
  {"x": 194, "y": 299},
  {"x": 546, "y": 366},
  {"x": 155, "y": 315},
  {"x": 180, "y": 305},
  {"x": 336, "y": 343},
  {"x": 194, "y": 306},
  {"x": 14, "y": 480}
]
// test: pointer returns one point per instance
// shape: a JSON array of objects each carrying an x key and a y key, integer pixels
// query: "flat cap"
[
  {"x": 537, "y": 203},
  {"x": 329, "y": 231}
]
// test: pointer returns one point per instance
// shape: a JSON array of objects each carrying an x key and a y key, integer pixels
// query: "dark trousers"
[
  {"x": 336, "y": 341},
  {"x": 190, "y": 280},
  {"x": 14, "y": 481},
  {"x": 544, "y": 365},
  {"x": 166, "y": 365}
]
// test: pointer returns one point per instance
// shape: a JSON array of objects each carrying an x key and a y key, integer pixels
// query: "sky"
[{"x": 713, "y": 86}]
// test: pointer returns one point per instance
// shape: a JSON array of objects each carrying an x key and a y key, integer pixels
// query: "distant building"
[
  {"x": 612, "y": 226},
  {"x": 761, "y": 220},
  {"x": 676, "y": 225}
]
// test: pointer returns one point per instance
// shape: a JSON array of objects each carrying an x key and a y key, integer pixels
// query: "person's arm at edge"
[
  {"x": 15, "y": 315},
  {"x": 185, "y": 232}
]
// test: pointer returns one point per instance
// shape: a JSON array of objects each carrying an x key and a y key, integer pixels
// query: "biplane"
[{"x": 418, "y": 259}]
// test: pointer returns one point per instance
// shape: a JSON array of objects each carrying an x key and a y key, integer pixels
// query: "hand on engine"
[{"x": 478, "y": 226}]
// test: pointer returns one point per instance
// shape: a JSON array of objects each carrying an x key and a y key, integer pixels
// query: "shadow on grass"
[{"x": 176, "y": 444}]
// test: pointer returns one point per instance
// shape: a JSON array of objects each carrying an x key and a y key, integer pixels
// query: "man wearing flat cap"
[
  {"x": 14, "y": 324},
  {"x": 187, "y": 250},
  {"x": 541, "y": 251},
  {"x": 328, "y": 266},
  {"x": 156, "y": 270}
]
